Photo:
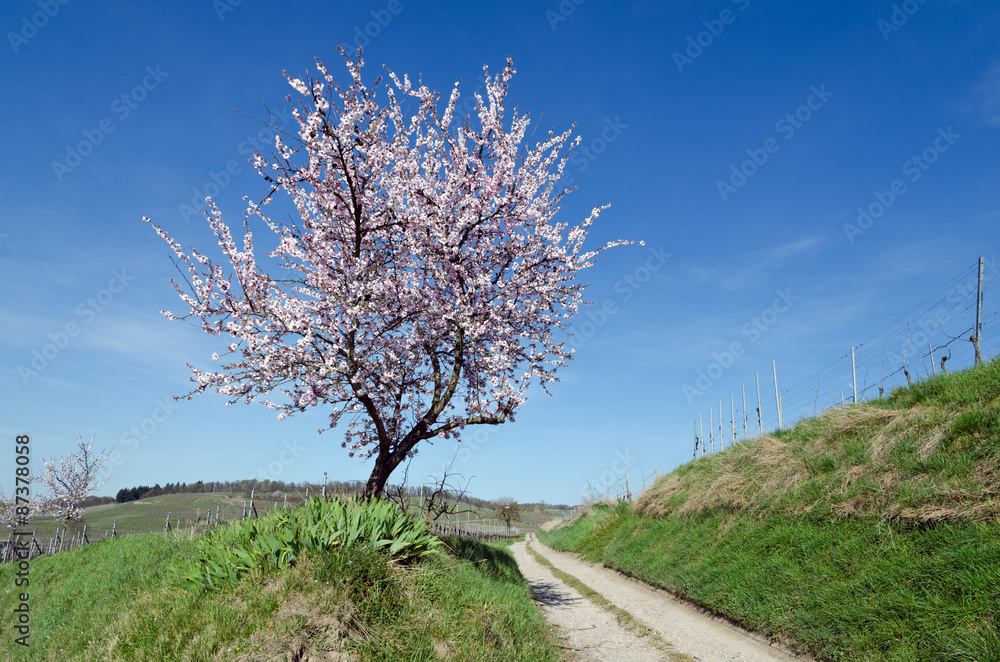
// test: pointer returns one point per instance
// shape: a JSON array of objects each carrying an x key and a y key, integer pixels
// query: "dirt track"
[{"x": 592, "y": 634}]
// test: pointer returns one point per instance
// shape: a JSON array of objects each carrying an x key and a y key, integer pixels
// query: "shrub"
[{"x": 278, "y": 539}]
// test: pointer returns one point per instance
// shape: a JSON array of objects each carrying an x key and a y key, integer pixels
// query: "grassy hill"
[
  {"x": 871, "y": 532},
  {"x": 113, "y": 600}
]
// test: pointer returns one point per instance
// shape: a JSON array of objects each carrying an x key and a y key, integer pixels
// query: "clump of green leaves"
[{"x": 278, "y": 539}]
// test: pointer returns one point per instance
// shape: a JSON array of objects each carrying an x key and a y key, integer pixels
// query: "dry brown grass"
[{"x": 770, "y": 473}]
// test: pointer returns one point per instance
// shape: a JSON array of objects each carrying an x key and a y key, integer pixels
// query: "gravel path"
[
  {"x": 692, "y": 632},
  {"x": 591, "y": 633}
]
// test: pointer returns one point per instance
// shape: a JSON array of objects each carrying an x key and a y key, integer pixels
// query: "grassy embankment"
[
  {"x": 116, "y": 600},
  {"x": 871, "y": 532}
]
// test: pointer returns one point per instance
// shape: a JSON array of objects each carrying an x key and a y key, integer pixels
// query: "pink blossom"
[{"x": 424, "y": 285}]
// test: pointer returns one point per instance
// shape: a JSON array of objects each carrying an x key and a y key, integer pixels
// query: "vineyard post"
[
  {"x": 711, "y": 427},
  {"x": 760, "y": 414},
  {"x": 979, "y": 315},
  {"x": 722, "y": 439},
  {"x": 114, "y": 525},
  {"x": 854, "y": 375},
  {"x": 777, "y": 397},
  {"x": 746, "y": 435},
  {"x": 933, "y": 367},
  {"x": 732, "y": 419}
]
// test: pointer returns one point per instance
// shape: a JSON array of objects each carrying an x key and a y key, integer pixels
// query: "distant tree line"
[{"x": 266, "y": 486}]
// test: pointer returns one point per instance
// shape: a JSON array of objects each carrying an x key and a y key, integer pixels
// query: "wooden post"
[
  {"x": 746, "y": 435},
  {"x": 628, "y": 490},
  {"x": 933, "y": 367},
  {"x": 167, "y": 526},
  {"x": 217, "y": 504},
  {"x": 854, "y": 374},
  {"x": 284, "y": 504},
  {"x": 702, "y": 421},
  {"x": 843, "y": 400},
  {"x": 760, "y": 414},
  {"x": 113, "y": 526},
  {"x": 777, "y": 399},
  {"x": 83, "y": 536},
  {"x": 7, "y": 546}
]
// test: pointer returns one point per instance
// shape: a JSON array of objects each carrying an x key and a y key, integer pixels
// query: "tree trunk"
[{"x": 385, "y": 464}]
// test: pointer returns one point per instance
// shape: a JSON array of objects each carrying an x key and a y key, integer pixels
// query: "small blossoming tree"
[
  {"x": 422, "y": 286},
  {"x": 71, "y": 479}
]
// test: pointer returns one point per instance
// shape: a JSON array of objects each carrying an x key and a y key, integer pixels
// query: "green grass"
[
  {"x": 112, "y": 600},
  {"x": 871, "y": 532}
]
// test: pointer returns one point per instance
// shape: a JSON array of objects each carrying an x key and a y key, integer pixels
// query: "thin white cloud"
[
  {"x": 988, "y": 93},
  {"x": 754, "y": 269}
]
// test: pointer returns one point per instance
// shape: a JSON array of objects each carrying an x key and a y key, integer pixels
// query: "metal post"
[
  {"x": 760, "y": 414},
  {"x": 854, "y": 373},
  {"x": 732, "y": 411},
  {"x": 711, "y": 426},
  {"x": 777, "y": 399},
  {"x": 696, "y": 437},
  {"x": 746, "y": 435},
  {"x": 979, "y": 315},
  {"x": 722, "y": 441},
  {"x": 702, "y": 421}
]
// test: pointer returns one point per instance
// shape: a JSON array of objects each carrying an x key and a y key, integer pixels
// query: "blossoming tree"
[
  {"x": 70, "y": 480},
  {"x": 422, "y": 287}
]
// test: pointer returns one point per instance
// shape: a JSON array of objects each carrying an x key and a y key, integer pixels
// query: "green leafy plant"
[{"x": 277, "y": 540}]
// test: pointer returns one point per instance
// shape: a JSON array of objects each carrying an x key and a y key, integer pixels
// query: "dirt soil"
[{"x": 592, "y": 634}]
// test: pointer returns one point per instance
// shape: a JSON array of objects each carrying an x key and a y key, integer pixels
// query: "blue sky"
[{"x": 737, "y": 138}]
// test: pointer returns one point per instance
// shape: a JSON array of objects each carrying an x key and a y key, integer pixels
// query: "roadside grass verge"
[
  {"x": 112, "y": 600},
  {"x": 871, "y": 532}
]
